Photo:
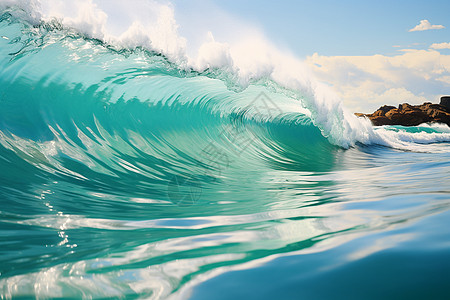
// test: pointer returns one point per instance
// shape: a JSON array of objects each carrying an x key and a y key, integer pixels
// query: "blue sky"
[{"x": 338, "y": 27}]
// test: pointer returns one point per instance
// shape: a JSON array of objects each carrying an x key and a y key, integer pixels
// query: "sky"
[
  {"x": 342, "y": 27},
  {"x": 366, "y": 51}
]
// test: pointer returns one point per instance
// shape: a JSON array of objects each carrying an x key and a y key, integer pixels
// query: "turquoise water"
[{"x": 124, "y": 175}]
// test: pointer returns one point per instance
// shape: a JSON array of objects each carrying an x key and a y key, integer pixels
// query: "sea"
[{"x": 129, "y": 173}]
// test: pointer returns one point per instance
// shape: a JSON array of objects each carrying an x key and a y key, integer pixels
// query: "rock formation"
[
  {"x": 411, "y": 115},
  {"x": 445, "y": 101}
]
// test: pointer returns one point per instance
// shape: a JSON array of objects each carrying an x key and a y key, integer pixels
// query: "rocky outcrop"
[
  {"x": 411, "y": 115},
  {"x": 445, "y": 101}
]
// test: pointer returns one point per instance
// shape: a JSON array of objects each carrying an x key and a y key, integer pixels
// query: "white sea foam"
[{"x": 421, "y": 141}]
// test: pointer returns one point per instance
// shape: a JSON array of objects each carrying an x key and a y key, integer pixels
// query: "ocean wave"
[
  {"x": 128, "y": 167},
  {"x": 68, "y": 99}
]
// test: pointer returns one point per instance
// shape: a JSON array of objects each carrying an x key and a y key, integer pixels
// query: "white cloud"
[
  {"x": 426, "y": 25},
  {"x": 445, "y": 79},
  {"x": 367, "y": 82},
  {"x": 440, "y": 46}
]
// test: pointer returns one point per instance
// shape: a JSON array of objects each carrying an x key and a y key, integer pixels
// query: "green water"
[{"x": 125, "y": 176}]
